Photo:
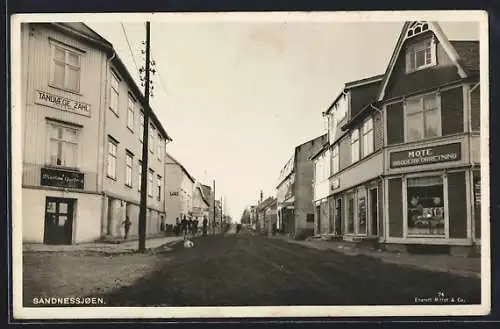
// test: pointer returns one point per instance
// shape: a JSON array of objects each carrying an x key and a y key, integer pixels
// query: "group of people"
[{"x": 188, "y": 226}]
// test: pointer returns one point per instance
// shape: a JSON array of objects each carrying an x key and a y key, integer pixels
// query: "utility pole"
[
  {"x": 221, "y": 213},
  {"x": 213, "y": 218},
  {"x": 145, "y": 139}
]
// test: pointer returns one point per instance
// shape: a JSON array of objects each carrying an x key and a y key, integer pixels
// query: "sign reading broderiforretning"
[
  {"x": 426, "y": 155},
  {"x": 61, "y": 103}
]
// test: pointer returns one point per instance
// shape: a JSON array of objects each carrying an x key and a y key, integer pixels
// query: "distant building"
[
  {"x": 295, "y": 189},
  {"x": 180, "y": 189}
]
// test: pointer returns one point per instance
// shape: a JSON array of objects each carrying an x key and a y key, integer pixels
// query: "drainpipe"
[
  {"x": 104, "y": 216},
  {"x": 381, "y": 177}
]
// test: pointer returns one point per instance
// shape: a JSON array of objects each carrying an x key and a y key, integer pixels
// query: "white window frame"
[
  {"x": 141, "y": 125},
  {"x": 335, "y": 159},
  {"x": 78, "y": 67},
  {"x": 61, "y": 141},
  {"x": 114, "y": 89},
  {"x": 150, "y": 183},
  {"x": 411, "y": 52},
  {"x": 139, "y": 175},
  {"x": 159, "y": 187},
  {"x": 421, "y": 97},
  {"x": 129, "y": 167},
  {"x": 152, "y": 133},
  {"x": 368, "y": 137},
  {"x": 112, "y": 157},
  {"x": 355, "y": 147},
  {"x": 159, "y": 148},
  {"x": 130, "y": 113},
  {"x": 404, "y": 194}
]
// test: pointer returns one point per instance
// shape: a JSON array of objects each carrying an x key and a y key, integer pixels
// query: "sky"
[{"x": 237, "y": 97}]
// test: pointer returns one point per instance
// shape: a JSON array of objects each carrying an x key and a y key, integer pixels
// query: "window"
[
  {"x": 420, "y": 55},
  {"x": 141, "y": 128},
  {"x": 425, "y": 206},
  {"x": 130, "y": 113},
  {"x": 151, "y": 138},
  {"x": 139, "y": 175},
  {"x": 423, "y": 117},
  {"x": 112, "y": 147},
  {"x": 63, "y": 145},
  {"x": 159, "y": 149},
  {"x": 368, "y": 137},
  {"x": 150, "y": 183},
  {"x": 362, "y": 214},
  {"x": 114, "y": 103},
  {"x": 65, "y": 68},
  {"x": 158, "y": 183},
  {"x": 128, "y": 169},
  {"x": 335, "y": 159},
  {"x": 355, "y": 146}
]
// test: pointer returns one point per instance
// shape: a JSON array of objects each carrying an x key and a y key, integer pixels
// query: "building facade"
[
  {"x": 405, "y": 156},
  {"x": 295, "y": 190},
  {"x": 66, "y": 70},
  {"x": 179, "y": 192}
]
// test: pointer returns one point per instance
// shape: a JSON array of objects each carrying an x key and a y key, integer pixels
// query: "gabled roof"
[
  {"x": 468, "y": 51},
  {"x": 174, "y": 161},
  {"x": 436, "y": 29},
  {"x": 84, "y": 32}
]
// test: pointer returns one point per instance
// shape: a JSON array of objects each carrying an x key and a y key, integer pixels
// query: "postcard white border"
[{"x": 21, "y": 312}]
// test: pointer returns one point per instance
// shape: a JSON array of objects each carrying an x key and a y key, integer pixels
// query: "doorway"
[
  {"x": 58, "y": 221},
  {"x": 318, "y": 222},
  {"x": 374, "y": 210},
  {"x": 338, "y": 216}
]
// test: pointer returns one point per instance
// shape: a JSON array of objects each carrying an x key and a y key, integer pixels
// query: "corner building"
[
  {"x": 78, "y": 184},
  {"x": 430, "y": 100}
]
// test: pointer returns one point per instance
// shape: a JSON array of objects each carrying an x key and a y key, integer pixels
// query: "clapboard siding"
[{"x": 37, "y": 73}]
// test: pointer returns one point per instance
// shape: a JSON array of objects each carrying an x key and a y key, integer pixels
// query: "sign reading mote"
[
  {"x": 62, "y": 103},
  {"x": 61, "y": 178},
  {"x": 427, "y": 155}
]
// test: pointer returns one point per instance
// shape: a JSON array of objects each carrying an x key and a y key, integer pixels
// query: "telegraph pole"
[
  {"x": 213, "y": 218},
  {"x": 145, "y": 139}
]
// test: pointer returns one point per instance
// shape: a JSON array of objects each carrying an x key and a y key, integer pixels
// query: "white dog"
[{"x": 188, "y": 244}]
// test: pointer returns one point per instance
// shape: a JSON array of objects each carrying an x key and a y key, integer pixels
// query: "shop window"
[
  {"x": 362, "y": 214},
  {"x": 114, "y": 103},
  {"x": 128, "y": 169},
  {"x": 63, "y": 145},
  {"x": 130, "y": 113},
  {"x": 420, "y": 55},
  {"x": 354, "y": 146},
  {"x": 368, "y": 137},
  {"x": 112, "y": 150},
  {"x": 425, "y": 206},
  {"x": 477, "y": 203},
  {"x": 65, "y": 68},
  {"x": 350, "y": 213},
  {"x": 423, "y": 117}
]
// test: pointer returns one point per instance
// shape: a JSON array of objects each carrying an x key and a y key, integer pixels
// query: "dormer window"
[{"x": 420, "y": 55}]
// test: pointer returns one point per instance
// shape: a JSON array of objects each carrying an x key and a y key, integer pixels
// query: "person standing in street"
[
  {"x": 177, "y": 228},
  {"x": 126, "y": 225},
  {"x": 184, "y": 226},
  {"x": 205, "y": 224}
]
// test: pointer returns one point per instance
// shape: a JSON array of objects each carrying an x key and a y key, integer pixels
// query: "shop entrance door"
[
  {"x": 374, "y": 211},
  {"x": 58, "y": 221},
  {"x": 338, "y": 217}
]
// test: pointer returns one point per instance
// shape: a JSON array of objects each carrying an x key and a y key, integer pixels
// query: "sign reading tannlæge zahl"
[
  {"x": 426, "y": 155},
  {"x": 61, "y": 103},
  {"x": 61, "y": 178}
]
